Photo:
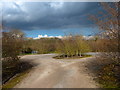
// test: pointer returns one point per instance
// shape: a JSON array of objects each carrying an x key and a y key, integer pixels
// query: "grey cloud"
[{"x": 32, "y": 15}]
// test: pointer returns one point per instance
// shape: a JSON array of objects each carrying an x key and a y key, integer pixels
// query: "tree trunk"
[
  {"x": 80, "y": 54},
  {"x": 76, "y": 53}
]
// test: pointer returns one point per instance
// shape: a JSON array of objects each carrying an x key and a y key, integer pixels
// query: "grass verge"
[
  {"x": 109, "y": 76},
  {"x": 105, "y": 73},
  {"x": 13, "y": 72},
  {"x": 15, "y": 80}
]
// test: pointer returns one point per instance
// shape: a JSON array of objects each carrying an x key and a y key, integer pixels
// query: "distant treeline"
[
  {"x": 15, "y": 43},
  {"x": 70, "y": 46}
]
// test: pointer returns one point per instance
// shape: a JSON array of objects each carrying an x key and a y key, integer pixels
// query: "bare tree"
[
  {"x": 108, "y": 21},
  {"x": 73, "y": 46},
  {"x": 12, "y": 43}
]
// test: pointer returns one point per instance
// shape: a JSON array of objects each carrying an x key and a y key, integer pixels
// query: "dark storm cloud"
[{"x": 43, "y": 15}]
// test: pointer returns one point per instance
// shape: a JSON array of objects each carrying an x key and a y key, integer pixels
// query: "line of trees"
[
  {"x": 14, "y": 43},
  {"x": 70, "y": 46},
  {"x": 42, "y": 46}
]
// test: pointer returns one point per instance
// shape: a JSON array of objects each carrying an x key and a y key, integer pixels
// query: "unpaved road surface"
[{"x": 57, "y": 73}]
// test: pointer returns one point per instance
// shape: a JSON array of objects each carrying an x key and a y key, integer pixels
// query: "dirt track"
[{"x": 57, "y": 73}]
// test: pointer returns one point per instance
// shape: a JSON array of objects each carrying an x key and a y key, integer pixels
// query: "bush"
[
  {"x": 73, "y": 46},
  {"x": 12, "y": 43},
  {"x": 27, "y": 50}
]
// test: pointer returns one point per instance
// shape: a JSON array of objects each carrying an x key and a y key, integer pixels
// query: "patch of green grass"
[
  {"x": 15, "y": 80},
  {"x": 73, "y": 57}
]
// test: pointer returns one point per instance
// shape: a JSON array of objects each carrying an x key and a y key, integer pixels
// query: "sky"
[{"x": 50, "y": 18}]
